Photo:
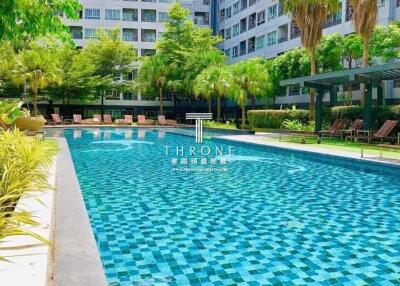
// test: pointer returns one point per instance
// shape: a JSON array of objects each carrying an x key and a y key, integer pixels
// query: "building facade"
[
  {"x": 261, "y": 28},
  {"x": 141, "y": 23}
]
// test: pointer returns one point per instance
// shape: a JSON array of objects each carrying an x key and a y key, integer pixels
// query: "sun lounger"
[
  {"x": 381, "y": 134},
  {"x": 128, "y": 120},
  {"x": 107, "y": 119},
  {"x": 56, "y": 119},
  {"x": 356, "y": 125},
  {"x": 164, "y": 122},
  {"x": 143, "y": 121},
  {"x": 97, "y": 119},
  {"x": 77, "y": 119},
  {"x": 334, "y": 129}
]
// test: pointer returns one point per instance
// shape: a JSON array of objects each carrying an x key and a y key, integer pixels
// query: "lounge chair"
[
  {"x": 334, "y": 129},
  {"x": 97, "y": 118},
  {"x": 164, "y": 122},
  {"x": 56, "y": 119},
  {"x": 107, "y": 119},
  {"x": 356, "y": 125},
  {"x": 128, "y": 120},
  {"x": 381, "y": 134},
  {"x": 143, "y": 121},
  {"x": 77, "y": 119}
]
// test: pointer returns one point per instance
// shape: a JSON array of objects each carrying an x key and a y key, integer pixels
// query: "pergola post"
[
  {"x": 367, "y": 107},
  {"x": 318, "y": 109},
  {"x": 333, "y": 96},
  {"x": 379, "y": 92}
]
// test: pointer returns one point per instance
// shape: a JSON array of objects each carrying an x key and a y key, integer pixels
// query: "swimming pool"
[{"x": 266, "y": 216}]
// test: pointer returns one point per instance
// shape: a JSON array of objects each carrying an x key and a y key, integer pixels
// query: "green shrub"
[
  {"x": 351, "y": 112},
  {"x": 270, "y": 118},
  {"x": 23, "y": 169}
]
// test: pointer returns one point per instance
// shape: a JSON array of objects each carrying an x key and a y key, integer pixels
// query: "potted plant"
[{"x": 12, "y": 114}]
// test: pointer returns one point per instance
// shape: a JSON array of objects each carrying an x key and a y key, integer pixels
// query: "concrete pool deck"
[{"x": 262, "y": 140}]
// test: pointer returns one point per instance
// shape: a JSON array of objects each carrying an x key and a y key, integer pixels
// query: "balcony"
[
  {"x": 252, "y": 21},
  {"x": 282, "y": 40},
  {"x": 149, "y": 36},
  {"x": 251, "y": 45},
  {"x": 130, "y": 35},
  {"x": 130, "y": 15},
  {"x": 76, "y": 32}
]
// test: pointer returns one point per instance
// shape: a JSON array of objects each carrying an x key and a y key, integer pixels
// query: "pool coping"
[
  {"x": 76, "y": 257},
  {"x": 257, "y": 140}
]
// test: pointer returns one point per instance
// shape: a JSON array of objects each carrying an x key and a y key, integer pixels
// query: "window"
[
  {"x": 162, "y": 16},
  {"x": 147, "y": 52},
  {"x": 130, "y": 35},
  {"x": 235, "y": 30},
  {"x": 271, "y": 38},
  {"x": 272, "y": 12},
  {"x": 113, "y": 14},
  {"x": 222, "y": 15},
  {"x": 149, "y": 35},
  {"x": 90, "y": 33},
  {"x": 130, "y": 14},
  {"x": 149, "y": 15},
  {"x": 252, "y": 2},
  {"x": 235, "y": 52},
  {"x": 227, "y": 52},
  {"x": 228, "y": 33},
  {"x": 93, "y": 14},
  {"x": 228, "y": 12},
  {"x": 243, "y": 25},
  {"x": 251, "y": 46},
  {"x": 236, "y": 8},
  {"x": 261, "y": 17},
  {"x": 260, "y": 42},
  {"x": 242, "y": 48},
  {"x": 252, "y": 21},
  {"x": 76, "y": 32},
  {"x": 243, "y": 4}
]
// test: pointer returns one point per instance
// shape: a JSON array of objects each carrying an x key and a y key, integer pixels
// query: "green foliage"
[
  {"x": 352, "y": 50},
  {"x": 274, "y": 119},
  {"x": 329, "y": 53},
  {"x": 351, "y": 112},
  {"x": 23, "y": 170},
  {"x": 11, "y": 110},
  {"x": 385, "y": 42},
  {"x": 296, "y": 125},
  {"x": 294, "y": 63},
  {"x": 23, "y": 20},
  {"x": 219, "y": 125}
]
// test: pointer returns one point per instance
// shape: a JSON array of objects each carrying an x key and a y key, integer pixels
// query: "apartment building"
[
  {"x": 141, "y": 23},
  {"x": 261, "y": 28}
]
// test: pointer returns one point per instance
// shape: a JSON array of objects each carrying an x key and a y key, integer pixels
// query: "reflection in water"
[
  {"x": 107, "y": 135},
  {"x": 77, "y": 133},
  {"x": 128, "y": 134},
  {"x": 96, "y": 133},
  {"x": 161, "y": 134},
  {"x": 141, "y": 133}
]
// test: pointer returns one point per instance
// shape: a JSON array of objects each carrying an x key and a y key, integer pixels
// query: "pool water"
[{"x": 265, "y": 216}]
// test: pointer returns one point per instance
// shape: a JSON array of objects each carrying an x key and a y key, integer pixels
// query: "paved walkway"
[{"x": 265, "y": 139}]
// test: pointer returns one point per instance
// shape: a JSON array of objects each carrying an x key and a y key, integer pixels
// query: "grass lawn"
[{"x": 370, "y": 150}]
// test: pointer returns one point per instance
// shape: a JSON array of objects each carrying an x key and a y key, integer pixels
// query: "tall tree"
[
  {"x": 106, "y": 59},
  {"x": 36, "y": 68},
  {"x": 246, "y": 79},
  {"x": 329, "y": 53},
  {"x": 365, "y": 16},
  {"x": 385, "y": 42},
  {"x": 155, "y": 72},
  {"x": 29, "y": 19},
  {"x": 213, "y": 81},
  {"x": 310, "y": 17}
]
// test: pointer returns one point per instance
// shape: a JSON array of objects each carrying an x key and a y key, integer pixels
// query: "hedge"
[{"x": 271, "y": 118}]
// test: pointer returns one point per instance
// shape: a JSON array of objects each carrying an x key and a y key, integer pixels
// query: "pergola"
[{"x": 370, "y": 76}]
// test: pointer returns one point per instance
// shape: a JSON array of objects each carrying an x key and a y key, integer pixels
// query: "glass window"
[
  {"x": 260, "y": 42},
  {"x": 228, "y": 33},
  {"x": 235, "y": 52},
  {"x": 90, "y": 33},
  {"x": 162, "y": 16},
  {"x": 130, "y": 14},
  {"x": 236, "y": 8},
  {"x": 93, "y": 14},
  {"x": 228, "y": 52},
  {"x": 261, "y": 17},
  {"x": 149, "y": 35},
  {"x": 130, "y": 35},
  {"x": 235, "y": 30},
  {"x": 271, "y": 38},
  {"x": 149, "y": 15},
  {"x": 112, "y": 14},
  {"x": 228, "y": 12},
  {"x": 272, "y": 12}
]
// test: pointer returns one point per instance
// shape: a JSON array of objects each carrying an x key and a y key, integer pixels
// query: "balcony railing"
[{"x": 282, "y": 39}]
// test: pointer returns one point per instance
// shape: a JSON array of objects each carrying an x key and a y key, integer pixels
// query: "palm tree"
[
  {"x": 310, "y": 17},
  {"x": 154, "y": 74},
  {"x": 213, "y": 81},
  {"x": 365, "y": 16},
  {"x": 246, "y": 78},
  {"x": 36, "y": 67}
]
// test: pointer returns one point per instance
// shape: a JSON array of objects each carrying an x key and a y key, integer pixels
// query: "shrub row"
[{"x": 270, "y": 118}]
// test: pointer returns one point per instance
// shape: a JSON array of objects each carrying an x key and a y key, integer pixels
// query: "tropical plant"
[
  {"x": 36, "y": 68},
  {"x": 11, "y": 110},
  {"x": 310, "y": 17},
  {"x": 154, "y": 72},
  {"x": 29, "y": 19},
  {"x": 365, "y": 16},
  {"x": 297, "y": 125},
  {"x": 103, "y": 60},
  {"x": 385, "y": 42},
  {"x": 213, "y": 81},
  {"x": 23, "y": 171},
  {"x": 246, "y": 79}
]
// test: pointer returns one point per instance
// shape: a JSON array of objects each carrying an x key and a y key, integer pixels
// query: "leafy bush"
[
  {"x": 296, "y": 125},
  {"x": 11, "y": 110},
  {"x": 270, "y": 118},
  {"x": 351, "y": 112},
  {"x": 221, "y": 125},
  {"x": 23, "y": 169}
]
